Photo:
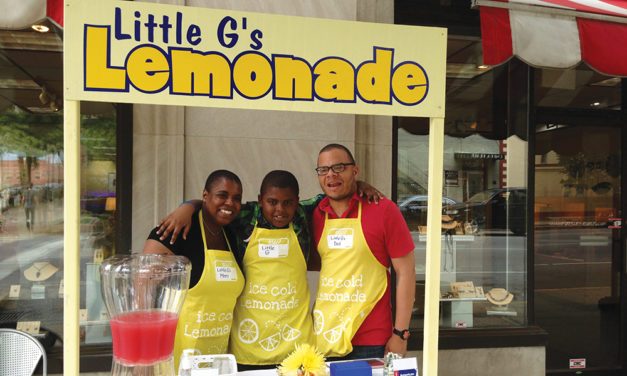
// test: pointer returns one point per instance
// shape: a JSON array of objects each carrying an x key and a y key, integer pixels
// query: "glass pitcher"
[{"x": 144, "y": 295}]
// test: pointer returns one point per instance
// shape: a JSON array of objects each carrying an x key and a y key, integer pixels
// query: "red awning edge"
[
  {"x": 604, "y": 46},
  {"x": 554, "y": 36},
  {"x": 496, "y": 35},
  {"x": 54, "y": 11}
]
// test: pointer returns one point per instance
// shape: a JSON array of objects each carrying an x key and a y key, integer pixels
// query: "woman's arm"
[{"x": 154, "y": 247}]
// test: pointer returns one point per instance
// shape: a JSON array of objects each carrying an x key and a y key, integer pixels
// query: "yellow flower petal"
[{"x": 305, "y": 358}]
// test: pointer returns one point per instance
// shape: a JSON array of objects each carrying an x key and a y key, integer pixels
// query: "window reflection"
[
  {"x": 98, "y": 207},
  {"x": 484, "y": 204},
  {"x": 31, "y": 221},
  {"x": 577, "y": 240}
]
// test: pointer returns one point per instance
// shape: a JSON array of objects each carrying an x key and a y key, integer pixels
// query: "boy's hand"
[
  {"x": 179, "y": 219},
  {"x": 368, "y": 191}
]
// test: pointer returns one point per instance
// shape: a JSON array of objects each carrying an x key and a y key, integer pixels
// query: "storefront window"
[
  {"x": 580, "y": 88},
  {"x": 31, "y": 194},
  {"x": 98, "y": 208},
  {"x": 484, "y": 224},
  {"x": 31, "y": 223},
  {"x": 577, "y": 218}
]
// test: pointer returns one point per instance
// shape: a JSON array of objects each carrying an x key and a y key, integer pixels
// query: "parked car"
[
  {"x": 497, "y": 208},
  {"x": 414, "y": 209}
]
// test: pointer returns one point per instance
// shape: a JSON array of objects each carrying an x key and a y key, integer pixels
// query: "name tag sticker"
[
  {"x": 340, "y": 238},
  {"x": 274, "y": 248},
  {"x": 225, "y": 271}
]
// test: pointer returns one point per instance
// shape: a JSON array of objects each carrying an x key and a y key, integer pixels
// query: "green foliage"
[
  {"x": 98, "y": 137},
  {"x": 36, "y": 135},
  {"x": 582, "y": 172},
  {"x": 32, "y": 136}
]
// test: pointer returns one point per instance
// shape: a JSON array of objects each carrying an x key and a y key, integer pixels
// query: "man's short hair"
[
  {"x": 338, "y": 146},
  {"x": 218, "y": 174},
  {"x": 279, "y": 179}
]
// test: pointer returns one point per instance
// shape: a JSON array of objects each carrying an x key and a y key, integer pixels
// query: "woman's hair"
[
  {"x": 279, "y": 179},
  {"x": 218, "y": 174},
  {"x": 338, "y": 146}
]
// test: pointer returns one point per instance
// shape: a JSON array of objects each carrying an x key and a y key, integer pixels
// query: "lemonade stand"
[{"x": 134, "y": 52}]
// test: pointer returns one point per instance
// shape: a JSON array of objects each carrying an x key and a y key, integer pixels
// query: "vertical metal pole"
[
  {"x": 71, "y": 236},
  {"x": 434, "y": 245},
  {"x": 71, "y": 212}
]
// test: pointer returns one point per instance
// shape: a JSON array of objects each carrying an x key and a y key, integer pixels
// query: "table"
[
  {"x": 272, "y": 372},
  {"x": 261, "y": 372}
]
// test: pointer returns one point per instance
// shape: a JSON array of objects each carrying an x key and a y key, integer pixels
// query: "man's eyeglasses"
[{"x": 337, "y": 168}]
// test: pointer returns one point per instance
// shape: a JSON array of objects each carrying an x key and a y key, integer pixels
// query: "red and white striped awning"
[
  {"x": 556, "y": 33},
  {"x": 17, "y": 15}
]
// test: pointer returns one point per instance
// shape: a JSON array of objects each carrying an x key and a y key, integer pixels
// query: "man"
[
  {"x": 28, "y": 200},
  {"x": 357, "y": 241}
]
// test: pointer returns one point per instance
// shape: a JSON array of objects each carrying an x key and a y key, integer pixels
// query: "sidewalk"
[{"x": 48, "y": 219}]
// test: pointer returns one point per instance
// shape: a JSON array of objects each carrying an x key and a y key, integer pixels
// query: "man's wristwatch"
[{"x": 404, "y": 334}]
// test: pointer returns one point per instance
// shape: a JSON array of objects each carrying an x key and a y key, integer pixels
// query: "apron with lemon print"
[
  {"x": 272, "y": 314},
  {"x": 207, "y": 314},
  {"x": 352, "y": 281}
]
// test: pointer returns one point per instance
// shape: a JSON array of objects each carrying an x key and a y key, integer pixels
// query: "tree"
[{"x": 30, "y": 136}]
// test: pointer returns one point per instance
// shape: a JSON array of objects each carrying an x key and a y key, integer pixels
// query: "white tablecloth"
[
  {"x": 272, "y": 372},
  {"x": 261, "y": 372}
]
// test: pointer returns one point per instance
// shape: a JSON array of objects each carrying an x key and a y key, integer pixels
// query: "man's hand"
[{"x": 396, "y": 345}]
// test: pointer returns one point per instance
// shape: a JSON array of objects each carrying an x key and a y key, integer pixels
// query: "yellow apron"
[
  {"x": 352, "y": 281},
  {"x": 205, "y": 321},
  {"x": 272, "y": 314}
]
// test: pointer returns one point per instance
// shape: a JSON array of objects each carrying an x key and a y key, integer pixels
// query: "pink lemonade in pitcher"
[{"x": 144, "y": 337}]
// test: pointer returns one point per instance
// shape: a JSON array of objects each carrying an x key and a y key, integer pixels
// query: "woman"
[{"x": 216, "y": 280}]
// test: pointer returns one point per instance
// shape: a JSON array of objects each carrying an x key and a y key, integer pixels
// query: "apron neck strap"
[
  {"x": 204, "y": 238},
  {"x": 326, "y": 215},
  {"x": 257, "y": 222}
]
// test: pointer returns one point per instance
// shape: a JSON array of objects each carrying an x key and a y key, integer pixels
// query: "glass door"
[{"x": 577, "y": 244}]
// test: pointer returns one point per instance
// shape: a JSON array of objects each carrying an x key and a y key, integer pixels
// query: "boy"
[{"x": 272, "y": 313}]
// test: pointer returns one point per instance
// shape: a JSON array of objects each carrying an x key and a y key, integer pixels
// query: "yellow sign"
[{"x": 162, "y": 54}]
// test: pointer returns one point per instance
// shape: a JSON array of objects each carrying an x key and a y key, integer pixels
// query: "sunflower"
[{"x": 305, "y": 360}]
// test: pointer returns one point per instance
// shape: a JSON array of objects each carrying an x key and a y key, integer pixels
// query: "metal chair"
[{"x": 20, "y": 353}]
